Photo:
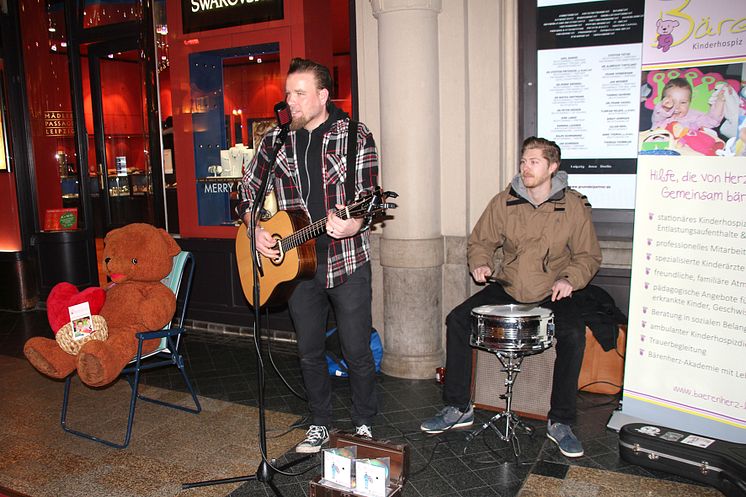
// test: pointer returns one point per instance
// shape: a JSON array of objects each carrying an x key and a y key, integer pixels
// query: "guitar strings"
[{"x": 311, "y": 231}]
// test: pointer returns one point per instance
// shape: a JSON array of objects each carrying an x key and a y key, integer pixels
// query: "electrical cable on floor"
[
  {"x": 274, "y": 366},
  {"x": 599, "y": 382},
  {"x": 301, "y": 423},
  {"x": 265, "y": 457},
  {"x": 616, "y": 397},
  {"x": 424, "y": 435}
]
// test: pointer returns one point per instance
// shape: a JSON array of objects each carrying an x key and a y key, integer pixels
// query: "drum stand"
[{"x": 511, "y": 423}]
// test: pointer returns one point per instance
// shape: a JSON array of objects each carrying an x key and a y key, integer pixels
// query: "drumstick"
[{"x": 494, "y": 279}]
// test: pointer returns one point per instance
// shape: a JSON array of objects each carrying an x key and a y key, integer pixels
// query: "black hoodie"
[{"x": 309, "y": 161}]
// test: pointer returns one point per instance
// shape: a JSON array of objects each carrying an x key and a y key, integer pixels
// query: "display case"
[
  {"x": 71, "y": 188},
  {"x": 129, "y": 185},
  {"x": 119, "y": 186}
]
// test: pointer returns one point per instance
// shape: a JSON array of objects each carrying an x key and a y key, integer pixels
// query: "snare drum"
[{"x": 512, "y": 328}]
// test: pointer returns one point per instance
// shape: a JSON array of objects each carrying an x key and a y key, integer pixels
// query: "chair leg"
[
  {"x": 134, "y": 383},
  {"x": 178, "y": 361},
  {"x": 130, "y": 419}
]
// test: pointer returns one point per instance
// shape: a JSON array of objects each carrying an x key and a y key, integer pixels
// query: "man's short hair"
[
  {"x": 319, "y": 71},
  {"x": 549, "y": 149}
]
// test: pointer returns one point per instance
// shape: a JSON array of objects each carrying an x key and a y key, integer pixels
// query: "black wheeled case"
[
  {"x": 366, "y": 448},
  {"x": 707, "y": 460}
]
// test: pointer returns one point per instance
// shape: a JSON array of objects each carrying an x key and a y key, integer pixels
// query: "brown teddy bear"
[{"x": 136, "y": 257}]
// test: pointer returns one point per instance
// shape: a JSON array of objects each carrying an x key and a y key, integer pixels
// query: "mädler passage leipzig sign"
[{"x": 203, "y": 15}]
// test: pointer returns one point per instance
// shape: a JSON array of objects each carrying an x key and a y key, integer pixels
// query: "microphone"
[{"x": 283, "y": 114}]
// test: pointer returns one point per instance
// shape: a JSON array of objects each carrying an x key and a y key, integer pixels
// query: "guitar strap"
[{"x": 351, "y": 161}]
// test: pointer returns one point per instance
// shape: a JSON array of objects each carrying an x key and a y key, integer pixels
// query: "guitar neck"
[{"x": 309, "y": 232}]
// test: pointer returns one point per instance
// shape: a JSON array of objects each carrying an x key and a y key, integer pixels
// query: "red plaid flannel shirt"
[{"x": 346, "y": 255}]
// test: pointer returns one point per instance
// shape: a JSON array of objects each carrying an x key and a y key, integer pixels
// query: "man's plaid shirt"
[{"x": 345, "y": 255}]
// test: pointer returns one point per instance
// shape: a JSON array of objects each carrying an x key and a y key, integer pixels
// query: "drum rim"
[
  {"x": 522, "y": 313},
  {"x": 536, "y": 346}
]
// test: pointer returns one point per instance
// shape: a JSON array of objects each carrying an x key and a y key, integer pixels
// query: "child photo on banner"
[{"x": 694, "y": 111}]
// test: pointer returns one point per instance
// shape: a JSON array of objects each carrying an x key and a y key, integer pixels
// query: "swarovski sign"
[
  {"x": 203, "y": 15},
  {"x": 203, "y": 5}
]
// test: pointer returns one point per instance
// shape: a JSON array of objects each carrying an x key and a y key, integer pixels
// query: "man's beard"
[{"x": 298, "y": 123}]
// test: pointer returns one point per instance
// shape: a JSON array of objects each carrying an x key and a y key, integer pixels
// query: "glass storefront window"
[
  {"x": 50, "y": 108},
  {"x": 4, "y": 142},
  {"x": 102, "y": 12},
  {"x": 118, "y": 169},
  {"x": 234, "y": 91}
]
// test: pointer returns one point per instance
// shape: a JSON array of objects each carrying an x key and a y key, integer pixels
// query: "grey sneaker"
[
  {"x": 316, "y": 436},
  {"x": 364, "y": 431},
  {"x": 448, "y": 418},
  {"x": 565, "y": 439}
]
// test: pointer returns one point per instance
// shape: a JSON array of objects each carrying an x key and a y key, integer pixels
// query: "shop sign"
[
  {"x": 203, "y": 15},
  {"x": 58, "y": 123}
]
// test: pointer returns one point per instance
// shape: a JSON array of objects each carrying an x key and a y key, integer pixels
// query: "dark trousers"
[
  {"x": 309, "y": 309},
  {"x": 570, "y": 346}
]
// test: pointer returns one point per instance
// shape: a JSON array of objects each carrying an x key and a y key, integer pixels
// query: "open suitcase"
[{"x": 714, "y": 462}]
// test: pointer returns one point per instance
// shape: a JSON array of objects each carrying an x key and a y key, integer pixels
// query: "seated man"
[{"x": 550, "y": 249}]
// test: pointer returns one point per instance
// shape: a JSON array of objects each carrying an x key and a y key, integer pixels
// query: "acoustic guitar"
[{"x": 296, "y": 242}]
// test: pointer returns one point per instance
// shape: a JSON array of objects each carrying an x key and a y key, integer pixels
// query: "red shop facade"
[{"x": 117, "y": 112}]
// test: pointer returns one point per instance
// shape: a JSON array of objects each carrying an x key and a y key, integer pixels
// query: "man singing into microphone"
[
  {"x": 310, "y": 175},
  {"x": 550, "y": 250}
]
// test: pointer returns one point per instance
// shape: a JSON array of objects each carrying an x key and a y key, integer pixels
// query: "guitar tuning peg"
[
  {"x": 389, "y": 205},
  {"x": 391, "y": 194}
]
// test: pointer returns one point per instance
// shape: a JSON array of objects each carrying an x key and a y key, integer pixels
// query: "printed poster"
[
  {"x": 686, "y": 336},
  {"x": 681, "y": 33},
  {"x": 588, "y": 94}
]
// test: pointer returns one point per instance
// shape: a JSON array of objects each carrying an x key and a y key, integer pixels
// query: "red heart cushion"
[{"x": 64, "y": 295}]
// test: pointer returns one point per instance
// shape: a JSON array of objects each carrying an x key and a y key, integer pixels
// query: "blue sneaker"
[
  {"x": 449, "y": 417},
  {"x": 565, "y": 439}
]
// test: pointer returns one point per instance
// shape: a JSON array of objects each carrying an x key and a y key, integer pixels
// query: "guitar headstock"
[{"x": 369, "y": 203}]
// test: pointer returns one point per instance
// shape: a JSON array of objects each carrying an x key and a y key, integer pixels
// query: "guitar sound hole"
[{"x": 278, "y": 246}]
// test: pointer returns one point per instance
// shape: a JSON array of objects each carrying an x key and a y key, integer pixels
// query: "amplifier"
[{"x": 532, "y": 387}]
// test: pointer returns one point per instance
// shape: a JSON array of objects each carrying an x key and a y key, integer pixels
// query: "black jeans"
[
  {"x": 309, "y": 309},
  {"x": 570, "y": 347}
]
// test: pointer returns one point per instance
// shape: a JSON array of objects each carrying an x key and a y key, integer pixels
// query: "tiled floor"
[{"x": 224, "y": 367}]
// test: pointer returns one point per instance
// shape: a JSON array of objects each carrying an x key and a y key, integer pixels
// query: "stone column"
[{"x": 412, "y": 243}]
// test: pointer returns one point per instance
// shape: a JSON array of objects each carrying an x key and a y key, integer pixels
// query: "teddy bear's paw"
[
  {"x": 48, "y": 358},
  {"x": 91, "y": 369}
]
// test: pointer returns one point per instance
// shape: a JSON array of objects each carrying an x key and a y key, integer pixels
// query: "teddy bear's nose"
[{"x": 107, "y": 260}]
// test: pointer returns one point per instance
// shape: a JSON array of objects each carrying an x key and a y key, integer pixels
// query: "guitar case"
[{"x": 714, "y": 462}]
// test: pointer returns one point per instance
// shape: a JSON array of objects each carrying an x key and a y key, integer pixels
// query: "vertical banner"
[
  {"x": 686, "y": 340},
  {"x": 588, "y": 93}
]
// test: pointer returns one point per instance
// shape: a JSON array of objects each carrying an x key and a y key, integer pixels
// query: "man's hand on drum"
[
  {"x": 561, "y": 289},
  {"x": 481, "y": 273}
]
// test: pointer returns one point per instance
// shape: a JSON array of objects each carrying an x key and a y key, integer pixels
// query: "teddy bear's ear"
[{"x": 172, "y": 247}]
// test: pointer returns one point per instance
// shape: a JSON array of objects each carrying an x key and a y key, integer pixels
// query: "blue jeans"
[
  {"x": 570, "y": 347},
  {"x": 309, "y": 307}
]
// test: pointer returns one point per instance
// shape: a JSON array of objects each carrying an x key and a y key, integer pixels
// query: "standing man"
[
  {"x": 310, "y": 175},
  {"x": 550, "y": 250}
]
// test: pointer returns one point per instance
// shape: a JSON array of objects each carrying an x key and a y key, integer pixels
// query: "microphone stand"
[{"x": 265, "y": 472}]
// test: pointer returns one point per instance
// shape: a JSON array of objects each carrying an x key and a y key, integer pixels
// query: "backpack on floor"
[{"x": 336, "y": 365}]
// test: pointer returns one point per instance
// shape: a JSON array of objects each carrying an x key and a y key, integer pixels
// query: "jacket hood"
[
  {"x": 559, "y": 184},
  {"x": 335, "y": 113}
]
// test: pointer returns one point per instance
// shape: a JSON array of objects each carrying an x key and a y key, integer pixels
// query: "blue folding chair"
[{"x": 167, "y": 353}]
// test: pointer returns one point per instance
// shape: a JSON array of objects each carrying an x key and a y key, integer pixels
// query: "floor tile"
[{"x": 446, "y": 465}]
